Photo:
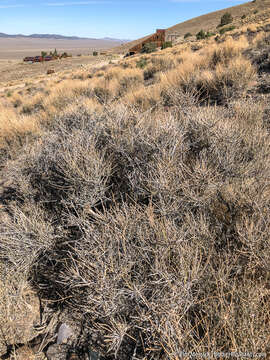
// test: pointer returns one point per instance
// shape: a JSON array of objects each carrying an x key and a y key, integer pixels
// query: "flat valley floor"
[
  {"x": 18, "y": 48},
  {"x": 14, "y": 73}
]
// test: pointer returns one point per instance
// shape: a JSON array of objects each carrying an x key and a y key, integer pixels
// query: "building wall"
[
  {"x": 172, "y": 37},
  {"x": 158, "y": 38}
]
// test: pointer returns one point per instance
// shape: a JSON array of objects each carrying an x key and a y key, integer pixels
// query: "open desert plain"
[
  {"x": 14, "y": 50},
  {"x": 135, "y": 194},
  {"x": 19, "y": 47}
]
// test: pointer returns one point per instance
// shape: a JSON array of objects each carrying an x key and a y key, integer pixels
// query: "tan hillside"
[
  {"x": 211, "y": 20},
  {"x": 253, "y": 10}
]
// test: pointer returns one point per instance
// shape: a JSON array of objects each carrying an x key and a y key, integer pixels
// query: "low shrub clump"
[
  {"x": 149, "y": 72},
  {"x": 149, "y": 48},
  {"x": 166, "y": 44},
  {"x": 141, "y": 63},
  {"x": 225, "y": 19},
  {"x": 187, "y": 35},
  {"x": 143, "y": 221},
  {"x": 204, "y": 35},
  {"x": 226, "y": 29},
  {"x": 201, "y": 35}
]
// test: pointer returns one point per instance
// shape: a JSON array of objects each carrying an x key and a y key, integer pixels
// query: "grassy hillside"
[
  {"x": 253, "y": 12},
  {"x": 211, "y": 20},
  {"x": 135, "y": 206}
]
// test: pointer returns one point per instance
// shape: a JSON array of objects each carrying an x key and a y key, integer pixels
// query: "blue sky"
[{"x": 124, "y": 19}]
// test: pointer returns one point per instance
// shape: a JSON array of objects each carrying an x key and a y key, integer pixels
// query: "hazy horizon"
[
  {"x": 53, "y": 34},
  {"x": 129, "y": 19}
]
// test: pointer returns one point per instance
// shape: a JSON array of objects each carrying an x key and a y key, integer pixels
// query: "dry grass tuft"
[{"x": 14, "y": 127}]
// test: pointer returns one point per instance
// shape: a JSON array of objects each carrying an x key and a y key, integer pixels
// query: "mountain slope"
[{"x": 210, "y": 21}]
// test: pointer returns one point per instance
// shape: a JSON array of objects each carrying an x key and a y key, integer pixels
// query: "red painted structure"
[
  {"x": 46, "y": 58},
  {"x": 38, "y": 58},
  {"x": 158, "y": 38}
]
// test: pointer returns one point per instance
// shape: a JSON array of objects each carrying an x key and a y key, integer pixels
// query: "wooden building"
[
  {"x": 158, "y": 38},
  {"x": 172, "y": 37}
]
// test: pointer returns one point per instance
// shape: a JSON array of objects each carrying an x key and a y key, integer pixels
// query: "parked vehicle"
[
  {"x": 37, "y": 58},
  {"x": 48, "y": 58},
  {"x": 29, "y": 58}
]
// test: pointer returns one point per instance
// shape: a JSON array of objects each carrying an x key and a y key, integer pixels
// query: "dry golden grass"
[
  {"x": 226, "y": 81},
  {"x": 14, "y": 126},
  {"x": 180, "y": 76},
  {"x": 209, "y": 70},
  {"x": 259, "y": 38},
  {"x": 252, "y": 28},
  {"x": 224, "y": 52},
  {"x": 128, "y": 81},
  {"x": 144, "y": 98}
]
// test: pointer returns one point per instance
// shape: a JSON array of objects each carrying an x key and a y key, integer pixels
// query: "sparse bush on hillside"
[
  {"x": 203, "y": 35},
  {"x": 252, "y": 28},
  {"x": 149, "y": 72},
  {"x": 226, "y": 82},
  {"x": 226, "y": 29},
  {"x": 215, "y": 75},
  {"x": 14, "y": 128},
  {"x": 149, "y": 47},
  {"x": 209, "y": 34},
  {"x": 17, "y": 100},
  {"x": 130, "y": 80},
  {"x": 143, "y": 98},
  {"x": 225, "y": 52},
  {"x": 261, "y": 40},
  {"x": 226, "y": 19},
  {"x": 101, "y": 94},
  {"x": 187, "y": 35},
  {"x": 166, "y": 44},
  {"x": 125, "y": 65},
  {"x": 141, "y": 63},
  {"x": 33, "y": 105},
  {"x": 163, "y": 63}
]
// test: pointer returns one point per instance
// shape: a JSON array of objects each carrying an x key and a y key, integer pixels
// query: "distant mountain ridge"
[{"x": 56, "y": 37}]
